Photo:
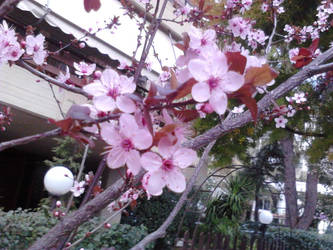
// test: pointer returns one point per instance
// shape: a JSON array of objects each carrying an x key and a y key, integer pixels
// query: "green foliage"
[
  {"x": 301, "y": 239},
  {"x": 223, "y": 214},
  {"x": 229, "y": 145},
  {"x": 293, "y": 239},
  {"x": 152, "y": 213},
  {"x": 68, "y": 152},
  {"x": 20, "y": 228},
  {"x": 119, "y": 236}
]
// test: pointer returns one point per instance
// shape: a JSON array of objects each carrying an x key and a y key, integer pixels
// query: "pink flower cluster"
[
  {"x": 242, "y": 28},
  {"x": 243, "y": 5},
  {"x": 294, "y": 103},
  {"x": 322, "y": 24},
  {"x": 130, "y": 195},
  {"x": 10, "y": 49}
]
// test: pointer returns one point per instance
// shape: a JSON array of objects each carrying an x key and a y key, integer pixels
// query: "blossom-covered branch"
[{"x": 312, "y": 69}]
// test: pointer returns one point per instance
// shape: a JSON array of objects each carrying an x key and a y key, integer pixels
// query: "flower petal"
[
  {"x": 198, "y": 69},
  {"x": 110, "y": 134},
  {"x": 184, "y": 157},
  {"x": 219, "y": 101},
  {"x": 166, "y": 148},
  {"x": 155, "y": 182},
  {"x": 151, "y": 161},
  {"x": 116, "y": 158},
  {"x": 201, "y": 92},
  {"x": 142, "y": 139},
  {"x": 128, "y": 125},
  {"x": 175, "y": 181},
  {"x": 95, "y": 89},
  {"x": 104, "y": 103},
  {"x": 232, "y": 82},
  {"x": 109, "y": 78},
  {"x": 125, "y": 104},
  {"x": 133, "y": 161}
]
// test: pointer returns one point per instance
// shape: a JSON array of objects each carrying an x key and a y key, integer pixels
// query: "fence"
[{"x": 217, "y": 241}]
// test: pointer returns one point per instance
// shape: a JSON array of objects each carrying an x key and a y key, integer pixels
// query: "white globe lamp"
[
  {"x": 58, "y": 180},
  {"x": 265, "y": 216}
]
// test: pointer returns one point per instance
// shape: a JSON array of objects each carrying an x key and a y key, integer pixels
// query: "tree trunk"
[
  {"x": 310, "y": 200},
  {"x": 290, "y": 181},
  {"x": 256, "y": 208}
]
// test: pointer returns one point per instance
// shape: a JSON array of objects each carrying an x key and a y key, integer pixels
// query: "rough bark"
[
  {"x": 290, "y": 192},
  {"x": 311, "y": 196}
]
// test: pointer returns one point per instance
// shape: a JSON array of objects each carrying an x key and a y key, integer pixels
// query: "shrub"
[
  {"x": 296, "y": 238},
  {"x": 20, "y": 228}
]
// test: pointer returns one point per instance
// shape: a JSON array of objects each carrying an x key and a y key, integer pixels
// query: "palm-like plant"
[{"x": 224, "y": 213}]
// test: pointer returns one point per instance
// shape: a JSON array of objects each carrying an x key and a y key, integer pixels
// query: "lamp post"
[
  {"x": 265, "y": 218},
  {"x": 58, "y": 181}
]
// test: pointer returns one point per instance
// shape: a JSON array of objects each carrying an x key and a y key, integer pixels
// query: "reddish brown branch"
[
  {"x": 28, "y": 139},
  {"x": 52, "y": 80}
]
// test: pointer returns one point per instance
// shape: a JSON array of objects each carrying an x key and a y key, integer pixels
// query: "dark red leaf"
[
  {"x": 305, "y": 55},
  {"x": 314, "y": 46},
  {"x": 236, "y": 62},
  {"x": 183, "y": 90},
  {"x": 201, "y": 4},
  {"x": 259, "y": 76},
  {"x": 251, "y": 104},
  {"x": 92, "y": 5},
  {"x": 244, "y": 94},
  {"x": 65, "y": 124},
  {"x": 186, "y": 115}
]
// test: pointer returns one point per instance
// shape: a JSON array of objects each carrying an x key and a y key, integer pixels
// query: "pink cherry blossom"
[
  {"x": 63, "y": 77},
  {"x": 78, "y": 188},
  {"x": 84, "y": 69},
  {"x": 165, "y": 76},
  {"x": 110, "y": 92},
  {"x": 299, "y": 97},
  {"x": 291, "y": 111},
  {"x": 10, "y": 49},
  {"x": 166, "y": 170},
  {"x": 204, "y": 109},
  {"x": 200, "y": 39},
  {"x": 280, "y": 122},
  {"x": 240, "y": 27},
  {"x": 35, "y": 47},
  {"x": 183, "y": 10},
  {"x": 125, "y": 141},
  {"x": 238, "y": 110},
  {"x": 214, "y": 81}
]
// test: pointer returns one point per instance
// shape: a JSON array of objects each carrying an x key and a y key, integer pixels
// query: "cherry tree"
[{"x": 224, "y": 58}]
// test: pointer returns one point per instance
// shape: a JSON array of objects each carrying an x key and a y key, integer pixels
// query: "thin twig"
[
  {"x": 53, "y": 80},
  {"x": 99, "y": 226},
  {"x": 155, "y": 25},
  {"x": 28, "y": 139},
  {"x": 57, "y": 101},
  {"x": 269, "y": 45},
  {"x": 78, "y": 177}
]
